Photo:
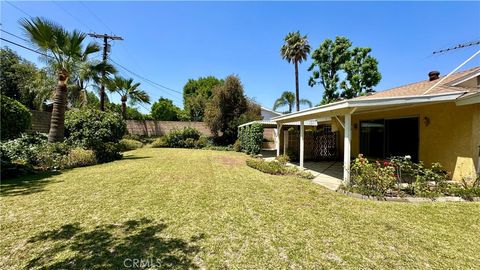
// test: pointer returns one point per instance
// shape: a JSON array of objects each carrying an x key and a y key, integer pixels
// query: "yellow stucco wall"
[{"x": 452, "y": 136}]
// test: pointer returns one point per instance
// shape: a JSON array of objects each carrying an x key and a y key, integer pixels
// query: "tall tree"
[
  {"x": 295, "y": 49},
  {"x": 329, "y": 59},
  {"x": 288, "y": 99},
  {"x": 361, "y": 73},
  {"x": 165, "y": 110},
  {"x": 196, "y": 94},
  {"x": 23, "y": 81},
  {"x": 128, "y": 91},
  {"x": 228, "y": 108},
  {"x": 65, "y": 50}
]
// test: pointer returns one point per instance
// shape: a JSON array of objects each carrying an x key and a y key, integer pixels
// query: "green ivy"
[{"x": 251, "y": 138}]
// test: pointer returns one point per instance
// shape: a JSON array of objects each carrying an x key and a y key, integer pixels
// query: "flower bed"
[{"x": 400, "y": 177}]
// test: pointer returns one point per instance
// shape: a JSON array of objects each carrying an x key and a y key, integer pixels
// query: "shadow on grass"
[
  {"x": 132, "y": 157},
  {"x": 132, "y": 244},
  {"x": 27, "y": 184}
]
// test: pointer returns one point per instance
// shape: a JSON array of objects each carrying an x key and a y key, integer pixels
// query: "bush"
[
  {"x": 50, "y": 156},
  {"x": 182, "y": 138},
  {"x": 132, "y": 137},
  {"x": 251, "y": 138},
  {"x": 283, "y": 159},
  {"x": 128, "y": 144},
  {"x": 237, "y": 147},
  {"x": 79, "y": 157},
  {"x": 106, "y": 152},
  {"x": 16, "y": 118},
  {"x": 202, "y": 142},
  {"x": 375, "y": 179},
  {"x": 24, "y": 149},
  {"x": 267, "y": 167},
  {"x": 159, "y": 142},
  {"x": 96, "y": 130},
  {"x": 277, "y": 168}
]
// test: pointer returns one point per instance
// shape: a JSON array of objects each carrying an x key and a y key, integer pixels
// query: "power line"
[
  {"x": 11, "y": 34},
  {"x": 71, "y": 15},
  {"x": 19, "y": 9},
  {"x": 94, "y": 15},
  {"x": 25, "y": 47},
  {"x": 148, "y": 80}
]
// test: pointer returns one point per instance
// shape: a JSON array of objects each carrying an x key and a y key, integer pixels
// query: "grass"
[{"x": 182, "y": 209}]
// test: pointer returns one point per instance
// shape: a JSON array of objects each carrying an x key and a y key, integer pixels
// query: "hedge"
[{"x": 251, "y": 138}]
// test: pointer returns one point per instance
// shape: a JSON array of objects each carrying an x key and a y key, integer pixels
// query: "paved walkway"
[{"x": 327, "y": 173}]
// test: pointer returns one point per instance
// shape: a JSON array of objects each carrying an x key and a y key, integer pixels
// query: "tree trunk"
[
  {"x": 289, "y": 107},
  {"x": 124, "y": 107},
  {"x": 57, "y": 122},
  {"x": 297, "y": 90}
]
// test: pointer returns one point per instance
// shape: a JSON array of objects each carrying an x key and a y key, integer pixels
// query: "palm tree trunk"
[
  {"x": 297, "y": 90},
  {"x": 57, "y": 122},
  {"x": 124, "y": 107},
  {"x": 289, "y": 107}
]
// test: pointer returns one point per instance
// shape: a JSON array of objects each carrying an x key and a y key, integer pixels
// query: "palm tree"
[
  {"x": 295, "y": 49},
  {"x": 91, "y": 71},
  {"x": 65, "y": 52},
  {"x": 128, "y": 91},
  {"x": 288, "y": 99}
]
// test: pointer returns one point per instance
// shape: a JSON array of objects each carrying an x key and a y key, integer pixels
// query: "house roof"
[
  {"x": 411, "y": 94},
  {"x": 419, "y": 88},
  {"x": 270, "y": 110},
  {"x": 271, "y": 123}
]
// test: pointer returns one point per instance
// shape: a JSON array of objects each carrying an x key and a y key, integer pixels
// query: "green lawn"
[{"x": 208, "y": 210}]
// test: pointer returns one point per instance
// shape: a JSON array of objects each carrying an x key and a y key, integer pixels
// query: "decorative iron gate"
[
  {"x": 325, "y": 145},
  {"x": 320, "y": 144}
]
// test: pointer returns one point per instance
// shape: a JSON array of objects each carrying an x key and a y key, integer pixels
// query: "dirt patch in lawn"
[{"x": 231, "y": 161}]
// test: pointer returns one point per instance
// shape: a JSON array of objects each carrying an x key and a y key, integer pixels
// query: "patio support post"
[
  {"x": 346, "y": 148},
  {"x": 277, "y": 138},
  {"x": 302, "y": 143}
]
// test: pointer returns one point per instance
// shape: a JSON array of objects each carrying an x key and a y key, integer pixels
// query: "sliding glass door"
[{"x": 384, "y": 138}]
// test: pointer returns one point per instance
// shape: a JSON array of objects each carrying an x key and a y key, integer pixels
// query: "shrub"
[
  {"x": 178, "y": 138},
  {"x": 50, "y": 156},
  {"x": 202, "y": 142},
  {"x": 16, "y": 118},
  {"x": 132, "y": 137},
  {"x": 237, "y": 147},
  {"x": 106, "y": 152},
  {"x": 159, "y": 142},
  {"x": 277, "y": 168},
  {"x": 283, "y": 159},
  {"x": 128, "y": 144},
  {"x": 267, "y": 167},
  {"x": 376, "y": 178},
  {"x": 251, "y": 138},
  {"x": 96, "y": 130},
  {"x": 25, "y": 148},
  {"x": 79, "y": 157}
]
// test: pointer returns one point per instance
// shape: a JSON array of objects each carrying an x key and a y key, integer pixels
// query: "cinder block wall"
[
  {"x": 41, "y": 123},
  {"x": 159, "y": 128}
]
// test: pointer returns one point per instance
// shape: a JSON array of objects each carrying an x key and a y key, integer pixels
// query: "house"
[{"x": 436, "y": 120}]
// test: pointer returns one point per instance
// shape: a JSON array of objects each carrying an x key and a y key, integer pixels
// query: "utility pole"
[{"x": 106, "y": 49}]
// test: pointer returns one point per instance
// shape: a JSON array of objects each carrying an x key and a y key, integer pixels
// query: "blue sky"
[{"x": 170, "y": 42}]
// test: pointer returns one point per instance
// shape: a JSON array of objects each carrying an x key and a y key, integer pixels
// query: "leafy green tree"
[
  {"x": 128, "y": 91},
  {"x": 66, "y": 50},
  {"x": 328, "y": 60},
  {"x": 165, "y": 110},
  {"x": 23, "y": 81},
  {"x": 362, "y": 73},
  {"x": 196, "y": 94},
  {"x": 331, "y": 58},
  {"x": 288, "y": 99},
  {"x": 228, "y": 108},
  {"x": 295, "y": 49}
]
